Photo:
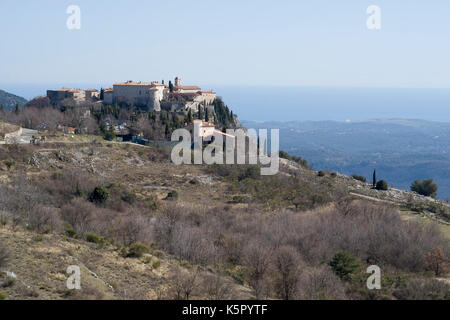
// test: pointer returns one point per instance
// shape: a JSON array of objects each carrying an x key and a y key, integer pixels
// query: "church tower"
[{"x": 177, "y": 82}]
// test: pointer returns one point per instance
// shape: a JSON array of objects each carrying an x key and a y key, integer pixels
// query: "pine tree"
[
  {"x": 17, "y": 109},
  {"x": 102, "y": 94},
  {"x": 170, "y": 86}
]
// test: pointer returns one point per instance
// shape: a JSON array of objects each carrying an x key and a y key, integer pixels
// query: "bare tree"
[
  {"x": 320, "y": 284},
  {"x": 44, "y": 219},
  {"x": 216, "y": 287},
  {"x": 183, "y": 284},
  {"x": 288, "y": 265},
  {"x": 257, "y": 262},
  {"x": 79, "y": 213}
]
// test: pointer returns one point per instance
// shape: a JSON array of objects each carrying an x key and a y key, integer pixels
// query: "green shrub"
[
  {"x": 95, "y": 238},
  {"x": 299, "y": 160},
  {"x": 159, "y": 254},
  {"x": 185, "y": 264},
  {"x": 172, "y": 195},
  {"x": 137, "y": 250},
  {"x": 237, "y": 273},
  {"x": 109, "y": 136},
  {"x": 359, "y": 178},
  {"x": 156, "y": 264},
  {"x": 69, "y": 230},
  {"x": 99, "y": 196},
  {"x": 251, "y": 172},
  {"x": 9, "y": 163},
  {"x": 382, "y": 185},
  {"x": 241, "y": 198},
  {"x": 3, "y": 295},
  {"x": 344, "y": 265},
  {"x": 321, "y": 173},
  {"x": 426, "y": 187}
]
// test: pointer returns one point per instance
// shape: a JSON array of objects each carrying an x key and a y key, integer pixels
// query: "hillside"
[
  {"x": 9, "y": 100},
  {"x": 202, "y": 232},
  {"x": 400, "y": 150}
]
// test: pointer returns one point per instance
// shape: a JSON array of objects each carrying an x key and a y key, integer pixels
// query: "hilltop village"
[
  {"x": 152, "y": 96},
  {"x": 128, "y": 111}
]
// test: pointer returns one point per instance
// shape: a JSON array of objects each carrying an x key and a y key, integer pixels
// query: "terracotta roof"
[
  {"x": 60, "y": 127},
  {"x": 188, "y": 87},
  {"x": 68, "y": 90},
  {"x": 91, "y": 90},
  {"x": 132, "y": 83},
  {"x": 156, "y": 83},
  {"x": 204, "y": 124},
  {"x": 224, "y": 134}
]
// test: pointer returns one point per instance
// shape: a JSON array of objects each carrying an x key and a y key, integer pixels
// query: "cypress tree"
[
  {"x": 374, "y": 179},
  {"x": 206, "y": 115},
  {"x": 200, "y": 113}
]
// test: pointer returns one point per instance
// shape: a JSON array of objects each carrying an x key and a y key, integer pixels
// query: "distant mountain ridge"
[{"x": 9, "y": 100}]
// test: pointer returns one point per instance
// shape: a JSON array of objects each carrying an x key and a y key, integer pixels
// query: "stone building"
[
  {"x": 147, "y": 95},
  {"x": 57, "y": 96},
  {"x": 92, "y": 94},
  {"x": 108, "y": 96},
  {"x": 141, "y": 94}
]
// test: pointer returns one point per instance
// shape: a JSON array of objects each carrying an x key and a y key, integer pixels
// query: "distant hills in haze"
[
  {"x": 400, "y": 150},
  {"x": 9, "y": 100}
]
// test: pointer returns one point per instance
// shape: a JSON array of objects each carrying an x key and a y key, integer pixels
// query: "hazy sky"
[{"x": 285, "y": 43}]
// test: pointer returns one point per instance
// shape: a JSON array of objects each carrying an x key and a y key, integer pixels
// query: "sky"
[{"x": 220, "y": 43}]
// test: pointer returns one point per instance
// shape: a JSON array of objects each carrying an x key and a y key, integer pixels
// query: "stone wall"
[{"x": 13, "y": 136}]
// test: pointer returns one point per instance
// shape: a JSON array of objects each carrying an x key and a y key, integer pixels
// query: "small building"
[
  {"x": 68, "y": 130},
  {"x": 205, "y": 130}
]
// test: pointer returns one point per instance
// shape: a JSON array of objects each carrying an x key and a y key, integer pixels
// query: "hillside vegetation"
[
  {"x": 9, "y": 101},
  {"x": 142, "y": 228}
]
